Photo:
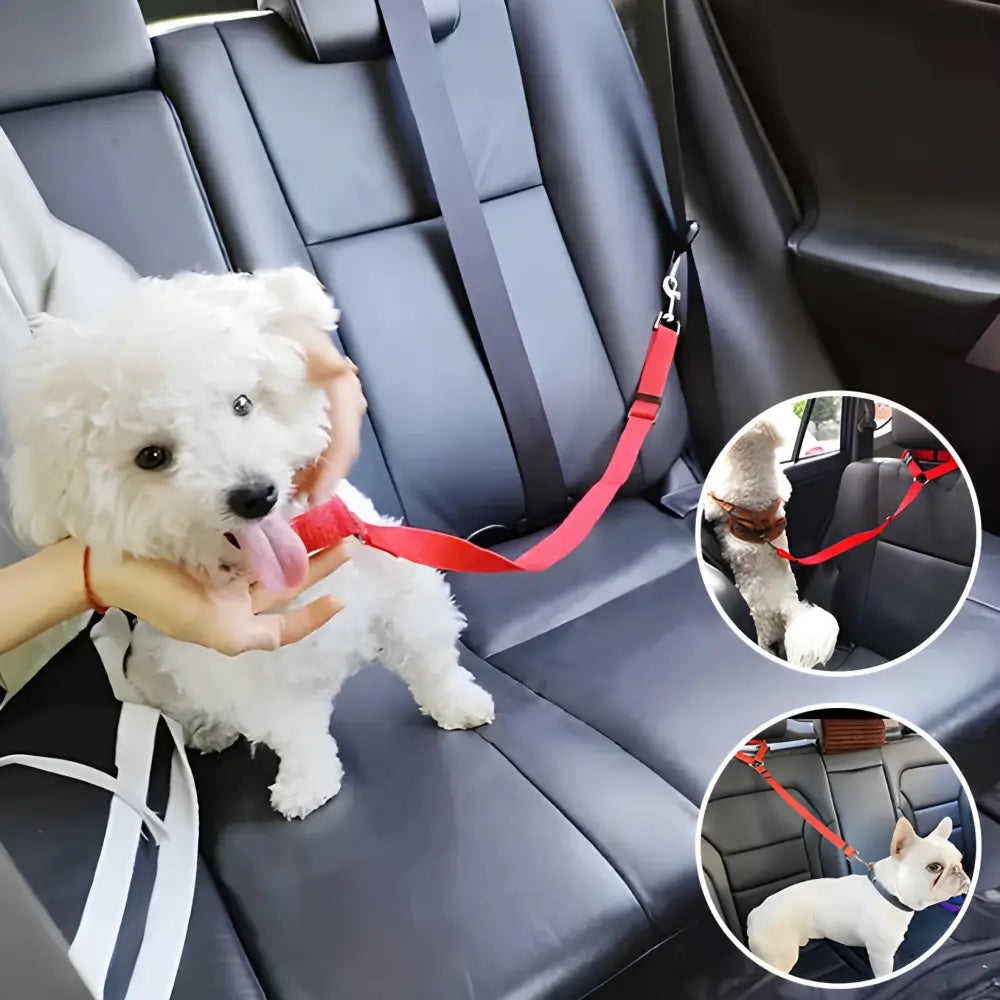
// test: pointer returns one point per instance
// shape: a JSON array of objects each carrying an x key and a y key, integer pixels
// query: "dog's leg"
[
  {"x": 881, "y": 959},
  {"x": 418, "y": 638},
  {"x": 298, "y": 731}
]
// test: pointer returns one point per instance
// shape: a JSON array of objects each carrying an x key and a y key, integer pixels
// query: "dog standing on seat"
[
  {"x": 919, "y": 872},
  {"x": 172, "y": 429},
  {"x": 747, "y": 482}
]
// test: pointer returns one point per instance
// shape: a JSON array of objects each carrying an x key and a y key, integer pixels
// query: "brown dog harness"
[{"x": 757, "y": 526}]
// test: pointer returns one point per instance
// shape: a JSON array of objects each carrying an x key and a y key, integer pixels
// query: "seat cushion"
[
  {"x": 54, "y": 827},
  {"x": 525, "y": 859}
]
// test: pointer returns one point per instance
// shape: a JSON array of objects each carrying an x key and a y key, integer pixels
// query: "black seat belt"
[
  {"x": 694, "y": 350},
  {"x": 406, "y": 24}
]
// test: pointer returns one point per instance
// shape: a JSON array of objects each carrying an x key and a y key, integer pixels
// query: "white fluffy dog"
[
  {"x": 172, "y": 429},
  {"x": 748, "y": 477}
]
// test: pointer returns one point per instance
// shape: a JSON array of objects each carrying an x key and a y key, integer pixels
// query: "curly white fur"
[
  {"x": 164, "y": 369},
  {"x": 749, "y": 475}
]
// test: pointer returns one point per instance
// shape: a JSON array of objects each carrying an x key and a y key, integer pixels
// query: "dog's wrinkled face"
[
  {"x": 930, "y": 868},
  {"x": 173, "y": 427}
]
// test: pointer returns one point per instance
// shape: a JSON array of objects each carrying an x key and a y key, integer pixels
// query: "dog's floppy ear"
[
  {"x": 46, "y": 429},
  {"x": 943, "y": 829},
  {"x": 296, "y": 299},
  {"x": 902, "y": 837}
]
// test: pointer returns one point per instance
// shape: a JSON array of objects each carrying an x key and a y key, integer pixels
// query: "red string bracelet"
[{"x": 91, "y": 599}]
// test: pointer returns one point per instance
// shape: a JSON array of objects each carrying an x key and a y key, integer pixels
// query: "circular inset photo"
[
  {"x": 838, "y": 532},
  {"x": 838, "y": 846}
]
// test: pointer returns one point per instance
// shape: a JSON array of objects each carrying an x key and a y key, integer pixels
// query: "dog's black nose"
[{"x": 253, "y": 500}]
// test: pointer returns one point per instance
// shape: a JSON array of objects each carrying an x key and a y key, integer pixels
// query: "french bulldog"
[{"x": 919, "y": 872}]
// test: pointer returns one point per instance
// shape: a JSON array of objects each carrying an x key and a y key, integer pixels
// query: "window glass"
[{"x": 822, "y": 433}]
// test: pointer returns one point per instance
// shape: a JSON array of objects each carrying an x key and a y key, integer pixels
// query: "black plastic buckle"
[{"x": 909, "y": 461}]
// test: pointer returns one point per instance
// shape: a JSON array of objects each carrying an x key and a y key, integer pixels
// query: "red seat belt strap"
[
  {"x": 757, "y": 763},
  {"x": 332, "y": 522},
  {"x": 921, "y": 478}
]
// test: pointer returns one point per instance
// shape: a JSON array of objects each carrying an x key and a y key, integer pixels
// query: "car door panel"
[{"x": 878, "y": 121}]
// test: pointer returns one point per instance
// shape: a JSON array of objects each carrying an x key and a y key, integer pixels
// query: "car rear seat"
[
  {"x": 753, "y": 845},
  {"x": 543, "y": 855},
  {"x": 891, "y": 594}
]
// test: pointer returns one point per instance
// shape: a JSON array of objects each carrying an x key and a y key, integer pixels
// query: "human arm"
[{"x": 47, "y": 588}]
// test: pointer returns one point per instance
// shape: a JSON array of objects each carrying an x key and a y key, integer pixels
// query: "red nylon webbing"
[
  {"x": 920, "y": 479},
  {"x": 757, "y": 763},
  {"x": 332, "y": 522}
]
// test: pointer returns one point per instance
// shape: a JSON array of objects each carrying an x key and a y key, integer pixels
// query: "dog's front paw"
[
  {"x": 461, "y": 704},
  {"x": 210, "y": 739},
  {"x": 296, "y": 792}
]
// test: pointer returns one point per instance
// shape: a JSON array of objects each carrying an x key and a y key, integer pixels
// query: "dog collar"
[
  {"x": 886, "y": 895},
  {"x": 756, "y": 526}
]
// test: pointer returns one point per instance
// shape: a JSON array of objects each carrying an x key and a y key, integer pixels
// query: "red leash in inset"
[
  {"x": 757, "y": 763},
  {"x": 332, "y": 522},
  {"x": 911, "y": 459}
]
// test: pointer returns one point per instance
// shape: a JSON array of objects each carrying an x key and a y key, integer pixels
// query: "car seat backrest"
[
  {"x": 309, "y": 153},
  {"x": 926, "y": 789},
  {"x": 862, "y": 801},
  {"x": 352, "y": 29},
  {"x": 102, "y": 146},
  {"x": 753, "y": 844},
  {"x": 890, "y": 594}
]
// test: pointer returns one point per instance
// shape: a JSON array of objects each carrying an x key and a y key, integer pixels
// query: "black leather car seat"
[
  {"x": 416, "y": 881},
  {"x": 754, "y": 845},
  {"x": 892, "y": 593}
]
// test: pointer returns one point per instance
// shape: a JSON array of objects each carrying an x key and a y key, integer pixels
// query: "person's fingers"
[
  {"x": 347, "y": 406},
  {"x": 321, "y": 565},
  {"x": 324, "y": 562},
  {"x": 297, "y": 624},
  {"x": 323, "y": 366},
  {"x": 263, "y": 633}
]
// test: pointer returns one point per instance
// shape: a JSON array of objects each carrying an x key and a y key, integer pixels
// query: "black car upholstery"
[
  {"x": 753, "y": 845},
  {"x": 545, "y": 855},
  {"x": 890, "y": 594}
]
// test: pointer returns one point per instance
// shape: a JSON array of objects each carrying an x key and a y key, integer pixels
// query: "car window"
[{"x": 821, "y": 416}]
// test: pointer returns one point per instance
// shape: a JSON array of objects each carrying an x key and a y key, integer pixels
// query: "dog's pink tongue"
[{"x": 276, "y": 553}]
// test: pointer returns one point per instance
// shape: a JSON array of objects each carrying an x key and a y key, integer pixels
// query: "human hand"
[
  {"x": 231, "y": 618},
  {"x": 346, "y": 406}
]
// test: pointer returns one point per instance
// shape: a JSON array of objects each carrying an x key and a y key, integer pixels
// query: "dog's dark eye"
[
  {"x": 934, "y": 868},
  {"x": 152, "y": 457},
  {"x": 242, "y": 406}
]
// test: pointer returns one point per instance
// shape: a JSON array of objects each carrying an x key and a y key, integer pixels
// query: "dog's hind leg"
[{"x": 419, "y": 641}]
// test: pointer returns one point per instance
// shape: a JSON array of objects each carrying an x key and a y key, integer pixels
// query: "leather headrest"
[
  {"x": 908, "y": 432},
  {"x": 347, "y": 30},
  {"x": 53, "y": 51},
  {"x": 842, "y": 735}
]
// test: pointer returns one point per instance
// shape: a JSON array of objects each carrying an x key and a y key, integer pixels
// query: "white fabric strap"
[
  {"x": 93, "y": 946},
  {"x": 173, "y": 891},
  {"x": 92, "y": 776},
  {"x": 172, "y": 896}
]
